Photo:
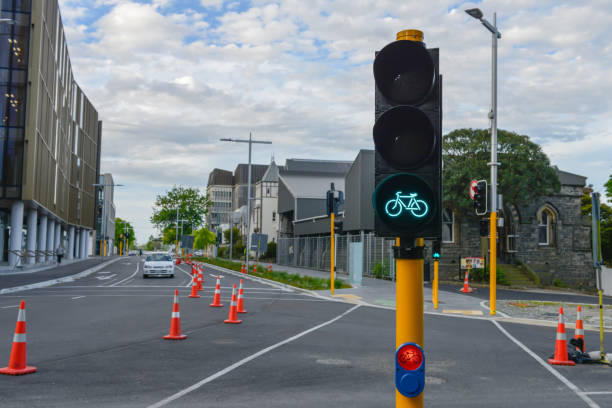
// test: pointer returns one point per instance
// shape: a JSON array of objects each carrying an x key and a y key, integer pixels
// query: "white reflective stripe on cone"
[
  {"x": 561, "y": 336},
  {"x": 21, "y": 315},
  {"x": 579, "y": 331},
  {"x": 19, "y": 338},
  {"x": 217, "y": 291},
  {"x": 176, "y": 314},
  {"x": 233, "y": 303}
]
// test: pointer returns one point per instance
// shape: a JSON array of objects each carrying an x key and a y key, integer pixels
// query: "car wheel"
[{"x": 144, "y": 276}]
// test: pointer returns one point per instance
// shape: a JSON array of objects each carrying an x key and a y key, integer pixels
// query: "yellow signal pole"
[
  {"x": 493, "y": 263},
  {"x": 120, "y": 248},
  {"x": 332, "y": 251},
  {"x": 409, "y": 306},
  {"x": 435, "y": 284}
]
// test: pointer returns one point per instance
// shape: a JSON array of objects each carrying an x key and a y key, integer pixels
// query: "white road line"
[
  {"x": 77, "y": 297},
  {"x": 8, "y": 307},
  {"x": 188, "y": 274},
  {"x": 598, "y": 392},
  {"x": 482, "y": 304},
  {"x": 581, "y": 394},
  {"x": 129, "y": 277},
  {"x": 246, "y": 360}
]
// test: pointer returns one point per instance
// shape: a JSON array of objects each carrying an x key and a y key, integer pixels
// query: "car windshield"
[{"x": 158, "y": 257}]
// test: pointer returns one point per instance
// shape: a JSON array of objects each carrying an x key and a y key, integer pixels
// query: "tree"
[
  {"x": 605, "y": 231},
  {"x": 153, "y": 244},
  {"x": 203, "y": 238},
  {"x": 121, "y": 226},
  {"x": 608, "y": 187},
  {"x": 169, "y": 236},
  {"x": 192, "y": 208},
  {"x": 236, "y": 236},
  {"x": 525, "y": 172}
]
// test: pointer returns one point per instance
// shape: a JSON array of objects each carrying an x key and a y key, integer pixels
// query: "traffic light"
[
  {"x": 408, "y": 139},
  {"x": 480, "y": 198},
  {"x": 219, "y": 237},
  {"x": 410, "y": 369},
  {"x": 338, "y": 226},
  {"x": 329, "y": 205},
  {"x": 484, "y": 228},
  {"x": 436, "y": 249}
]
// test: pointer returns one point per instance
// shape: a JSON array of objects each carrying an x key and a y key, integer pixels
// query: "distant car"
[
  {"x": 198, "y": 253},
  {"x": 158, "y": 264}
]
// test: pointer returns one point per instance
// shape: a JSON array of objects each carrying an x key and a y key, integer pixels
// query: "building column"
[
  {"x": 77, "y": 243},
  {"x": 58, "y": 235},
  {"x": 50, "y": 238},
  {"x": 31, "y": 239},
  {"x": 83, "y": 251},
  {"x": 42, "y": 238},
  {"x": 86, "y": 240},
  {"x": 70, "y": 249},
  {"x": 16, "y": 231}
]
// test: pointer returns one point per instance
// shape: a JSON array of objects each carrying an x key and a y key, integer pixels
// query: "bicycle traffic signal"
[
  {"x": 410, "y": 369},
  {"x": 408, "y": 139},
  {"x": 480, "y": 198}
]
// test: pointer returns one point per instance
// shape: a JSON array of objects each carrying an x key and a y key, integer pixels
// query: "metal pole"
[
  {"x": 103, "y": 253},
  {"x": 176, "y": 230},
  {"x": 333, "y": 258},
  {"x": 231, "y": 236},
  {"x": 409, "y": 309},
  {"x": 494, "y": 164},
  {"x": 248, "y": 248}
]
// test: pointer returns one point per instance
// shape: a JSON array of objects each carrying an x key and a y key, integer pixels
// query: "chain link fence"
[{"x": 315, "y": 253}]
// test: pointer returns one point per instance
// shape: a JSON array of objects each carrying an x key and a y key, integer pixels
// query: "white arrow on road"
[{"x": 106, "y": 277}]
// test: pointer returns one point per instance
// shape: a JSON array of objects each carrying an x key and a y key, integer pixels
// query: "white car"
[{"x": 158, "y": 264}]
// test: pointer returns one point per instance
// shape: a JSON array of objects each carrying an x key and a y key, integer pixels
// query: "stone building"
[{"x": 550, "y": 237}]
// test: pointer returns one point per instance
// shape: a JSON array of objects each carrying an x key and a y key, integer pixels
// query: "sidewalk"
[
  {"x": 379, "y": 292},
  {"x": 45, "y": 272}
]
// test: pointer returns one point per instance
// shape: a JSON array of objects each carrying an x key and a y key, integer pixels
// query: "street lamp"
[
  {"x": 250, "y": 142},
  {"x": 101, "y": 185},
  {"x": 477, "y": 14}
]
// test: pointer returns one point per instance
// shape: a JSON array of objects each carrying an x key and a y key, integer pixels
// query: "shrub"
[
  {"x": 482, "y": 275},
  {"x": 382, "y": 270},
  {"x": 270, "y": 251}
]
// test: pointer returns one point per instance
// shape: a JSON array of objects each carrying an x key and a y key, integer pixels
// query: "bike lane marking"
[{"x": 246, "y": 360}]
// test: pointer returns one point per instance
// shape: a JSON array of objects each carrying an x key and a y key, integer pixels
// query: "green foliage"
[
  {"x": 293, "y": 279},
  {"x": 121, "y": 226},
  {"x": 608, "y": 187},
  {"x": 605, "y": 212},
  {"x": 525, "y": 173},
  {"x": 169, "y": 236},
  {"x": 558, "y": 283},
  {"x": 203, "y": 238},
  {"x": 236, "y": 236},
  {"x": 270, "y": 251},
  {"x": 382, "y": 270},
  {"x": 223, "y": 252},
  {"x": 192, "y": 206},
  {"x": 483, "y": 275}
]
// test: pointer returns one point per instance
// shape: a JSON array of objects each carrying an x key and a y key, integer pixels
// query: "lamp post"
[
  {"x": 250, "y": 141},
  {"x": 101, "y": 185},
  {"x": 477, "y": 14}
]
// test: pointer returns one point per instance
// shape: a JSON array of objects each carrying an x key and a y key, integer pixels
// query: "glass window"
[
  {"x": 448, "y": 225},
  {"x": 546, "y": 227}
]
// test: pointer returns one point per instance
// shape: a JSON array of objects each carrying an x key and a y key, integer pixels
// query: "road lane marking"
[
  {"x": 347, "y": 296},
  {"x": 106, "y": 277},
  {"x": 597, "y": 392},
  {"x": 190, "y": 282},
  {"x": 581, "y": 394},
  {"x": 77, "y": 297},
  {"x": 8, "y": 307},
  {"x": 129, "y": 277},
  {"x": 246, "y": 360},
  {"x": 464, "y": 312},
  {"x": 484, "y": 306}
]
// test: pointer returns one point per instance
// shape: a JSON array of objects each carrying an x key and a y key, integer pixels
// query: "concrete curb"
[{"x": 69, "y": 278}]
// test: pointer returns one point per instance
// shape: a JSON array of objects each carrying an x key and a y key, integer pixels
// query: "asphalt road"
[{"x": 98, "y": 342}]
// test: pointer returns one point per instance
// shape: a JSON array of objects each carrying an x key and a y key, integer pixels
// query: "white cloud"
[{"x": 169, "y": 82}]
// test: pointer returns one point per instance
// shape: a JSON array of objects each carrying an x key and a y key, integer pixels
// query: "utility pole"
[{"x": 250, "y": 141}]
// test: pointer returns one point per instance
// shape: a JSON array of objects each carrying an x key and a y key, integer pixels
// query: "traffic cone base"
[
  {"x": 179, "y": 337},
  {"x": 560, "y": 362},
  {"x": 466, "y": 286},
  {"x": 217, "y": 298},
  {"x": 194, "y": 291},
  {"x": 17, "y": 361}
]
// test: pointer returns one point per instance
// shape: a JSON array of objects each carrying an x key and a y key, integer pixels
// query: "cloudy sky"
[{"x": 171, "y": 77}]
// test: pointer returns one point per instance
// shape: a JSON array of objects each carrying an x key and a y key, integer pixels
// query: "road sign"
[
  {"x": 473, "y": 188},
  {"x": 471, "y": 263},
  {"x": 259, "y": 243}
]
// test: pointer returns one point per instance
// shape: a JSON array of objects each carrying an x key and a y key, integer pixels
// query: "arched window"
[{"x": 546, "y": 226}]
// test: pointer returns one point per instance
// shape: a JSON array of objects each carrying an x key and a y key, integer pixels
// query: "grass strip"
[{"x": 293, "y": 279}]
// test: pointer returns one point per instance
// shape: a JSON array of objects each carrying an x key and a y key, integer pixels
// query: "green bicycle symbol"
[{"x": 395, "y": 206}]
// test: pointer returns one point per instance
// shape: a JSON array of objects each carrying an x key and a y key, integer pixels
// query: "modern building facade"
[
  {"x": 50, "y": 138},
  {"x": 219, "y": 192}
]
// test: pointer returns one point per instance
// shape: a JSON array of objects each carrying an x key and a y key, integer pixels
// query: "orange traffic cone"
[
  {"x": 579, "y": 331},
  {"x": 175, "y": 321},
  {"x": 466, "y": 286},
  {"x": 243, "y": 269},
  {"x": 200, "y": 280},
  {"x": 254, "y": 268},
  {"x": 217, "y": 299},
  {"x": 560, "y": 357},
  {"x": 193, "y": 270},
  {"x": 269, "y": 268},
  {"x": 17, "y": 362},
  {"x": 233, "y": 316},
  {"x": 241, "y": 299},
  {"x": 194, "y": 289}
]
